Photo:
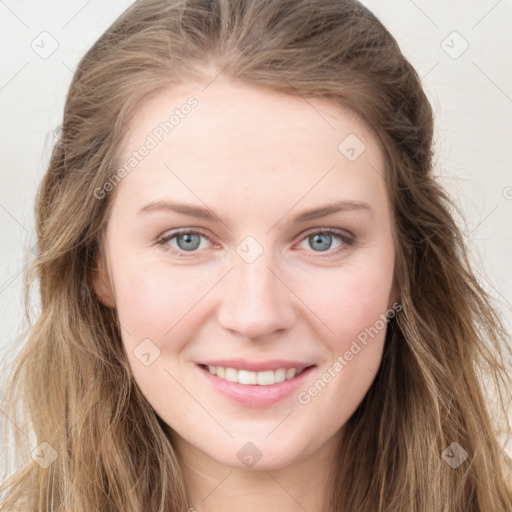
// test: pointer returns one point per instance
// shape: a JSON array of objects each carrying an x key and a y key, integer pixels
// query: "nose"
[{"x": 256, "y": 301}]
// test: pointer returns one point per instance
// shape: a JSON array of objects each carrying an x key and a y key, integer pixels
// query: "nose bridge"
[{"x": 254, "y": 301}]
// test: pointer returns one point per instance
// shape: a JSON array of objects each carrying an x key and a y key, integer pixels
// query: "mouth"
[
  {"x": 255, "y": 388},
  {"x": 253, "y": 378}
]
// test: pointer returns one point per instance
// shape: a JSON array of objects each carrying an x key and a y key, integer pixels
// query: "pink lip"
[
  {"x": 253, "y": 366},
  {"x": 254, "y": 395}
]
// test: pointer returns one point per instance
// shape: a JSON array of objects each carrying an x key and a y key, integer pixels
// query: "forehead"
[{"x": 234, "y": 139}]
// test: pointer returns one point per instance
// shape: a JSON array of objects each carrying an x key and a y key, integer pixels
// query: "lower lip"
[{"x": 254, "y": 395}]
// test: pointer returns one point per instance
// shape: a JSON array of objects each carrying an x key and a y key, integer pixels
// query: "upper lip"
[{"x": 257, "y": 366}]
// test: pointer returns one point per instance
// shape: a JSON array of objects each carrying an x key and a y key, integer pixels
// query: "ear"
[{"x": 101, "y": 283}]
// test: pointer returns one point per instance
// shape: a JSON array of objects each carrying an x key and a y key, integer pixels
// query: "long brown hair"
[{"x": 71, "y": 387}]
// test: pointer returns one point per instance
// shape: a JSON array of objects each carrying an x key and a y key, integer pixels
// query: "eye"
[
  {"x": 182, "y": 241},
  {"x": 321, "y": 240}
]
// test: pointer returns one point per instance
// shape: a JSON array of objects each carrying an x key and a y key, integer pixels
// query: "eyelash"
[{"x": 346, "y": 240}]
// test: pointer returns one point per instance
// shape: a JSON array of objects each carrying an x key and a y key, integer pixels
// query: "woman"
[{"x": 254, "y": 296}]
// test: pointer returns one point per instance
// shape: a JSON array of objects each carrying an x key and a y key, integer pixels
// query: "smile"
[
  {"x": 256, "y": 388},
  {"x": 264, "y": 378}
]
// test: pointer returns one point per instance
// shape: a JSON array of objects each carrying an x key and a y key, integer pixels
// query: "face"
[{"x": 253, "y": 236}]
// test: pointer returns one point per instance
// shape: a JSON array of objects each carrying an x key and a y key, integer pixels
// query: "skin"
[{"x": 256, "y": 158}]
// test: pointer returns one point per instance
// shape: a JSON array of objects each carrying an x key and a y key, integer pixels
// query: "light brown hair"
[{"x": 72, "y": 385}]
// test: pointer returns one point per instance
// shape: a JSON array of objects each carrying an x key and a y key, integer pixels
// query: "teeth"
[
  {"x": 290, "y": 373},
  {"x": 280, "y": 375},
  {"x": 246, "y": 377},
  {"x": 231, "y": 375},
  {"x": 266, "y": 378}
]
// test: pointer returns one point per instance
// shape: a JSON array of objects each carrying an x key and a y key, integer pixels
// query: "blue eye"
[
  {"x": 322, "y": 240},
  {"x": 187, "y": 241},
  {"x": 319, "y": 241}
]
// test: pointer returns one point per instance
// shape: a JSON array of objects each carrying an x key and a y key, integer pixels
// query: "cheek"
[
  {"x": 156, "y": 310},
  {"x": 151, "y": 299},
  {"x": 353, "y": 300}
]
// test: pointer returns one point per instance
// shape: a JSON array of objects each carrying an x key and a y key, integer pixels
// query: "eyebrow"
[{"x": 207, "y": 214}]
